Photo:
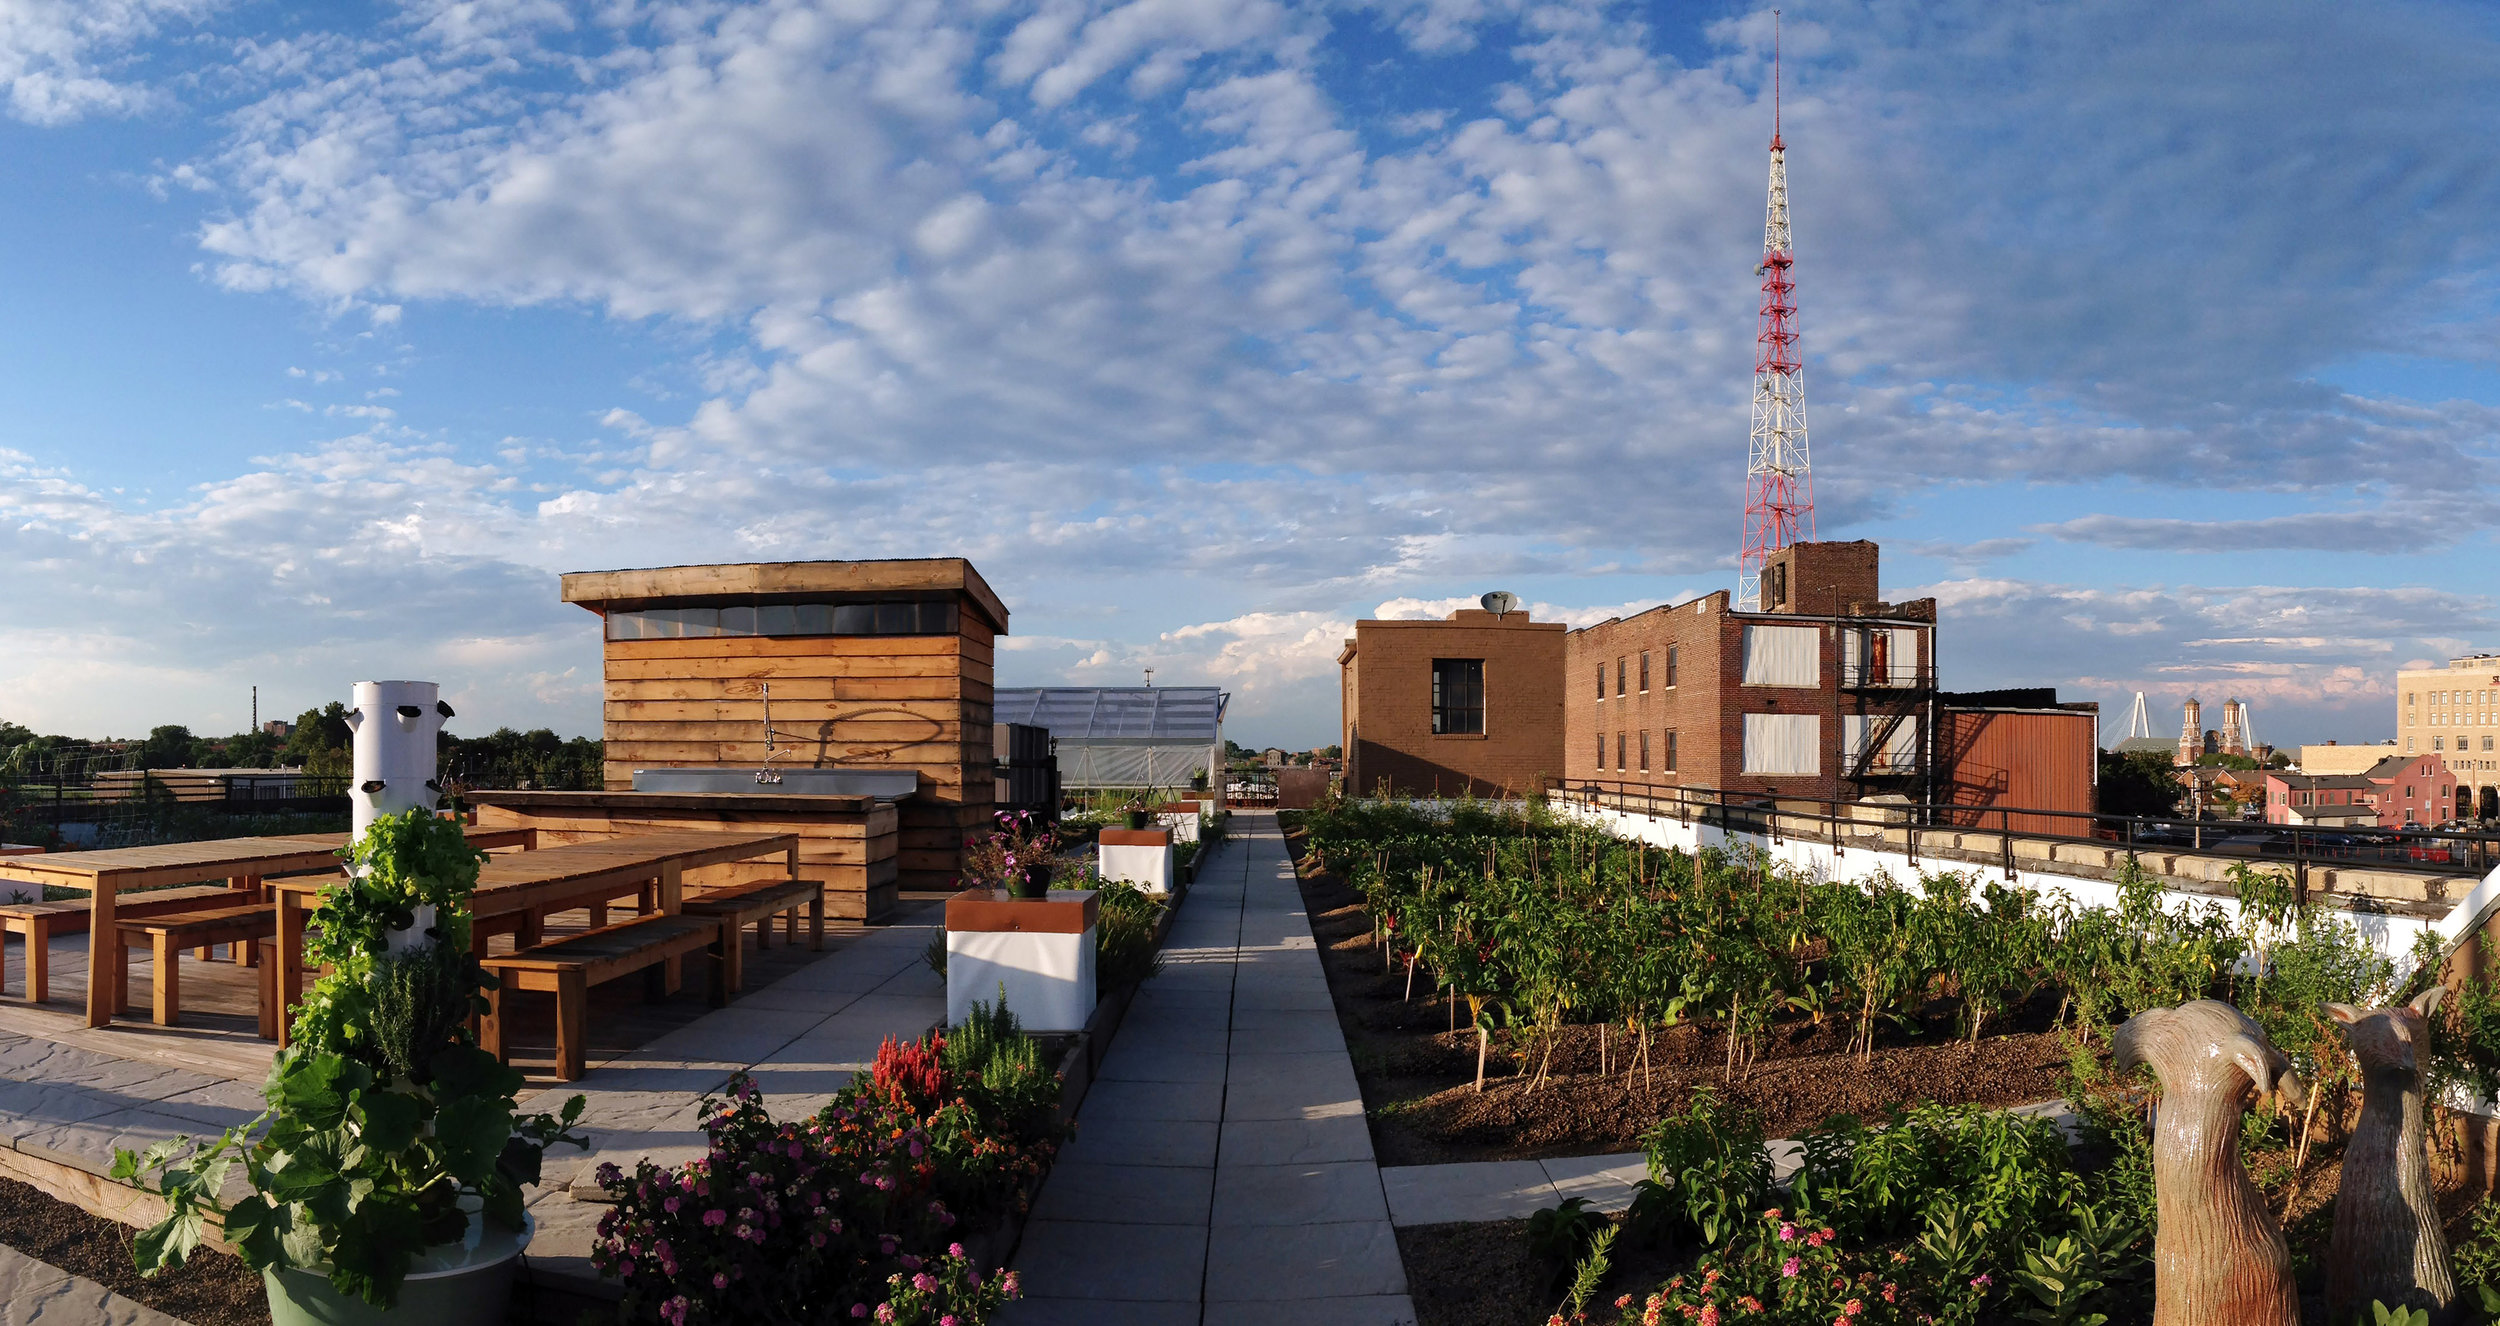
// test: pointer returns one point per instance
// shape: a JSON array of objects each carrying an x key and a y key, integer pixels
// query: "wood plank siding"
[{"x": 919, "y": 701}]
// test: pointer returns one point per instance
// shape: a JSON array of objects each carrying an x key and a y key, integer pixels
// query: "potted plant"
[
  {"x": 387, "y": 1171},
  {"x": 1019, "y": 856},
  {"x": 1138, "y": 809}
]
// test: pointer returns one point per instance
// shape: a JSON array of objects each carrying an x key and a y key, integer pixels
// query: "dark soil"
[
  {"x": 1484, "y": 1275},
  {"x": 211, "y": 1289},
  {"x": 1418, "y": 1075}
]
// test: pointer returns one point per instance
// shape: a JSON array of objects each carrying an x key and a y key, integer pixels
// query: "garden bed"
[
  {"x": 211, "y": 1289},
  {"x": 1418, "y": 1075}
]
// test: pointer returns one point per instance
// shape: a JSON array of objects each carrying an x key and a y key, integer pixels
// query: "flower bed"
[{"x": 863, "y": 1206}]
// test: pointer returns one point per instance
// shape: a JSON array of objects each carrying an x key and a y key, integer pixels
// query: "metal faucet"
[{"x": 765, "y": 776}]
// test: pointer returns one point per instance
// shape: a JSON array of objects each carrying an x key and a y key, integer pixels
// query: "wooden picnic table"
[
  {"x": 244, "y": 863},
  {"x": 550, "y": 879}
]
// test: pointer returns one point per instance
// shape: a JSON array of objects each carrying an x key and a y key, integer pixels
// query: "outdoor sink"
[{"x": 892, "y": 784}]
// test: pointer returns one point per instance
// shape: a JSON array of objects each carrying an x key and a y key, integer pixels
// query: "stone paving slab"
[
  {"x": 1277, "y": 1263},
  {"x": 1143, "y": 1194},
  {"x": 1100, "y": 1260},
  {"x": 1481, "y": 1190},
  {"x": 34, "y": 1293},
  {"x": 1332, "y": 1193}
]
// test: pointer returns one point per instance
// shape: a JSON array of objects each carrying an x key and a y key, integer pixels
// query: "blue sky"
[{"x": 2161, "y": 342}]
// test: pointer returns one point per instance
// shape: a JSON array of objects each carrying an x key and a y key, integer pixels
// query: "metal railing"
[{"x": 2444, "y": 852}]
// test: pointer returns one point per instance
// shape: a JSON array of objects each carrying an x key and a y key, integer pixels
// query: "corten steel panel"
[
  {"x": 2029, "y": 760},
  {"x": 1387, "y": 677}
]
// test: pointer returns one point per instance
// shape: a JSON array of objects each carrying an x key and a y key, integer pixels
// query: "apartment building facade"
[
  {"x": 2454, "y": 714},
  {"x": 1470, "y": 704},
  {"x": 1824, "y": 694}
]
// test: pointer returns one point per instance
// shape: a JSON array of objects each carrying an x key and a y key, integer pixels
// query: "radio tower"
[{"x": 1779, "y": 481}]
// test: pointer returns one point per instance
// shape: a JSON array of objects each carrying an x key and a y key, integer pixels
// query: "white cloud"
[{"x": 64, "y": 60}]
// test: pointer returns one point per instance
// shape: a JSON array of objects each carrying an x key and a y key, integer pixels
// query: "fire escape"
[{"x": 1888, "y": 687}]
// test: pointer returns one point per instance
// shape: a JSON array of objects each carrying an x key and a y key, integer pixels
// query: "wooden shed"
[{"x": 780, "y": 665}]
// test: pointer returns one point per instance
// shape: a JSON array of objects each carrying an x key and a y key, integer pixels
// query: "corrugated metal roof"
[{"x": 1115, "y": 713}]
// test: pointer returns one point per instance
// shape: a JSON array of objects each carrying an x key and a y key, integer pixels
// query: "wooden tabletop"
[
  {"x": 525, "y": 880},
  {"x": 128, "y": 868}
]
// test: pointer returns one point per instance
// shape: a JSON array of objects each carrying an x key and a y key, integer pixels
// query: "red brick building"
[
  {"x": 1472, "y": 703},
  {"x": 2417, "y": 791},
  {"x": 1824, "y": 694}
]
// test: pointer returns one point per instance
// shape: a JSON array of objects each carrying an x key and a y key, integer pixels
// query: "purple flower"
[
  {"x": 716, "y": 1217},
  {"x": 719, "y": 1281}
]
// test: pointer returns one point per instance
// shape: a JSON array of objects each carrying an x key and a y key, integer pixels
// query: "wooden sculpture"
[
  {"x": 2387, "y": 1244},
  {"x": 2218, "y": 1255}
]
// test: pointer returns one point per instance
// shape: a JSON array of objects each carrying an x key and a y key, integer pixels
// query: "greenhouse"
[{"x": 1124, "y": 736}]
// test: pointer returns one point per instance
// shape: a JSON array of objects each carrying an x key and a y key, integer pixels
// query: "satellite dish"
[{"x": 1500, "y": 602}]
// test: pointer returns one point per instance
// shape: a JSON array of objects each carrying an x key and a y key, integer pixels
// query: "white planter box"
[
  {"x": 1040, "y": 953},
  {"x": 1142, "y": 857},
  {"x": 1183, "y": 826}
]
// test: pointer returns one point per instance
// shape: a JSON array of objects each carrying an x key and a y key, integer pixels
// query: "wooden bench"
[
  {"x": 759, "y": 903},
  {"x": 568, "y": 968},
  {"x": 38, "y": 922},
  {"x": 166, "y": 936}
]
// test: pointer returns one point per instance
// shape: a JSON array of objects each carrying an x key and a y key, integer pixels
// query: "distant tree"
[
  {"x": 1331, "y": 752},
  {"x": 2139, "y": 783},
  {"x": 316, "y": 730},
  {"x": 167, "y": 747},
  {"x": 1234, "y": 750},
  {"x": 13, "y": 736}
]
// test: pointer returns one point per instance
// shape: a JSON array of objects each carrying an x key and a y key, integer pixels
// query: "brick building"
[
  {"x": 2399, "y": 791},
  {"x": 1822, "y": 694},
  {"x": 2454, "y": 713},
  {"x": 1471, "y": 703}
]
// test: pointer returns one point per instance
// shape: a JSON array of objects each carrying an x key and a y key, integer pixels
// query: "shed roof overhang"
[{"x": 600, "y": 591}]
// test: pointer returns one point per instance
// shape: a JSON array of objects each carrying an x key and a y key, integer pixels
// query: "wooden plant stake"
[
  {"x": 2387, "y": 1245},
  {"x": 2219, "y": 1255}
]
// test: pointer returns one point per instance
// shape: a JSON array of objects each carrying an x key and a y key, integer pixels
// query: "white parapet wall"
[{"x": 2394, "y": 933}]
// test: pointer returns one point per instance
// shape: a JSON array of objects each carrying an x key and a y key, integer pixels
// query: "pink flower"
[
  {"x": 716, "y": 1217},
  {"x": 719, "y": 1281},
  {"x": 1788, "y": 1233},
  {"x": 1789, "y": 1268},
  {"x": 954, "y": 1250},
  {"x": 1710, "y": 1315},
  {"x": 1981, "y": 1280}
]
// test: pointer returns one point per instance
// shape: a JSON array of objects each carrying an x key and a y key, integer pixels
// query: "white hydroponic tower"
[{"x": 395, "y": 724}]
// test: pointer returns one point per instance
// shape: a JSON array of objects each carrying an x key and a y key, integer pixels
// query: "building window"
[
  {"x": 1644, "y": 744},
  {"x": 1671, "y": 667},
  {"x": 783, "y": 619},
  {"x": 1458, "y": 695},
  {"x": 1783, "y": 745},
  {"x": 2486, "y": 745},
  {"x": 1619, "y": 679},
  {"x": 2439, "y": 743},
  {"x": 1601, "y": 681},
  {"x": 1619, "y": 763},
  {"x": 1783, "y": 656},
  {"x": 1601, "y": 750},
  {"x": 1644, "y": 672},
  {"x": 2408, "y": 745},
  {"x": 1669, "y": 764}
]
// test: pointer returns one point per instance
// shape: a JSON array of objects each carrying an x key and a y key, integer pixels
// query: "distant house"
[{"x": 2397, "y": 791}]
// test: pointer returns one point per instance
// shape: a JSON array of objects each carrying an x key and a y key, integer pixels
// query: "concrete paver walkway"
[
  {"x": 34, "y": 1293},
  {"x": 1223, "y": 1170}
]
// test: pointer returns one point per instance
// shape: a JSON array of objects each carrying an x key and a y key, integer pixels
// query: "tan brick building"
[
  {"x": 1471, "y": 703},
  {"x": 2454, "y": 713},
  {"x": 1822, "y": 695}
]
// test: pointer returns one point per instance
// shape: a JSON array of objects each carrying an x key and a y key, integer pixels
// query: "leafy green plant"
[
  {"x": 1124, "y": 939},
  {"x": 1560, "y": 1236},
  {"x": 386, "y": 1124},
  {"x": 1712, "y": 1156}
]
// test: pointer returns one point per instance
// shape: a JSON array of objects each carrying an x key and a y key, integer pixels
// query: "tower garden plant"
[{"x": 388, "y": 1131}]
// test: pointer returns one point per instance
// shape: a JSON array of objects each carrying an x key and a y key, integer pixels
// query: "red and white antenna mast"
[{"x": 1779, "y": 479}]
